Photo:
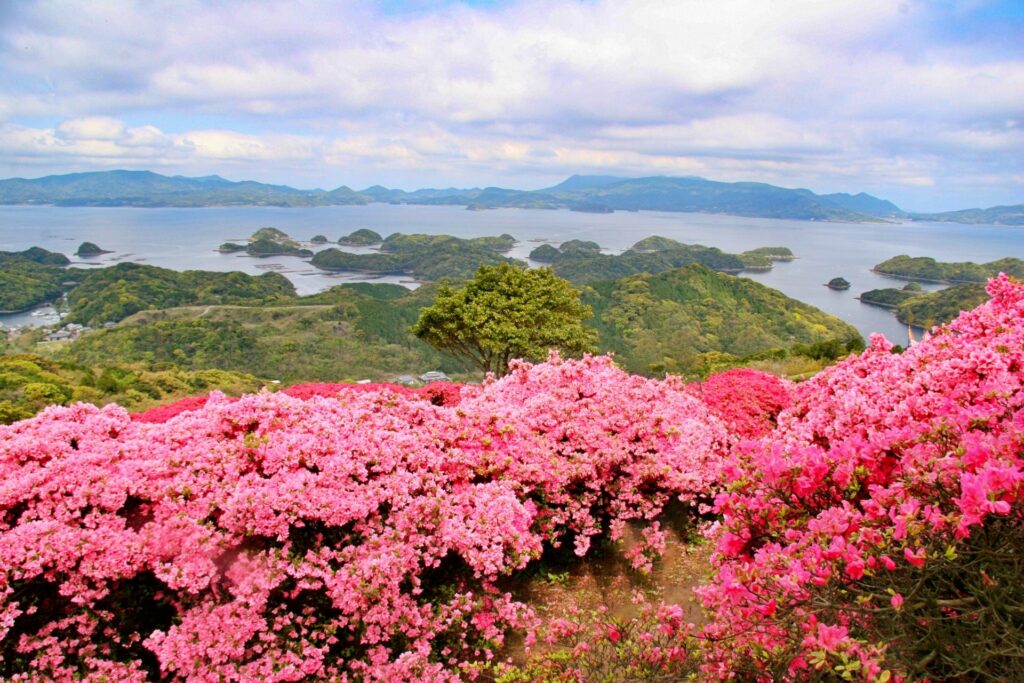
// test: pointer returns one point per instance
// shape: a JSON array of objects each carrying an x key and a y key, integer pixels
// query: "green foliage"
[
  {"x": 336, "y": 259},
  {"x": 268, "y": 233},
  {"x": 572, "y": 249},
  {"x": 47, "y": 258},
  {"x": 230, "y": 247},
  {"x": 925, "y": 268},
  {"x": 89, "y": 249},
  {"x": 761, "y": 258},
  {"x": 265, "y": 247},
  {"x": 838, "y": 283},
  {"x": 350, "y": 331},
  {"x": 29, "y": 383},
  {"x": 753, "y": 261},
  {"x": 363, "y": 237},
  {"x": 31, "y": 277},
  {"x": 935, "y": 308},
  {"x": 427, "y": 257},
  {"x": 579, "y": 249},
  {"x": 890, "y": 297},
  {"x": 692, "y": 321},
  {"x": 774, "y": 253},
  {"x": 656, "y": 243},
  {"x": 925, "y": 309},
  {"x": 545, "y": 253},
  {"x": 119, "y": 291},
  {"x": 319, "y": 239},
  {"x": 608, "y": 267},
  {"x": 271, "y": 242},
  {"x": 506, "y": 312}
]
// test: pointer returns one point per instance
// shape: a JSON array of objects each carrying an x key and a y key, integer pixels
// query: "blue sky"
[{"x": 917, "y": 101}]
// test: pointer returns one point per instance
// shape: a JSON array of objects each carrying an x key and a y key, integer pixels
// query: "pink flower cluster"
[
  {"x": 749, "y": 401},
  {"x": 438, "y": 393},
  {"x": 884, "y": 466},
  {"x": 343, "y": 535}
]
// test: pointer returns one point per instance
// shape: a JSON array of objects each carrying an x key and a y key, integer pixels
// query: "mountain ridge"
[{"x": 589, "y": 193}]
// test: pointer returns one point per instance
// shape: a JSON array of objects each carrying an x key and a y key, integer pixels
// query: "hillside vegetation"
[
  {"x": 114, "y": 293},
  {"x": 937, "y": 308},
  {"x": 349, "y": 332},
  {"x": 29, "y": 383},
  {"x": 31, "y": 277},
  {"x": 688, "y": 321},
  {"x": 692, "y": 320}
]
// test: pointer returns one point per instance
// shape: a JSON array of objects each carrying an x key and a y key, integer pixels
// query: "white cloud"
[{"x": 810, "y": 92}]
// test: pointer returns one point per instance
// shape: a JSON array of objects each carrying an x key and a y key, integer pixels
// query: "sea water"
[{"x": 187, "y": 239}]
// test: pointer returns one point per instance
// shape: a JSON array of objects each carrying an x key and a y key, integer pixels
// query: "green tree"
[{"x": 506, "y": 312}]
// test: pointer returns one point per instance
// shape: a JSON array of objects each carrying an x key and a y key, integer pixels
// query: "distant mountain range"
[{"x": 598, "y": 194}]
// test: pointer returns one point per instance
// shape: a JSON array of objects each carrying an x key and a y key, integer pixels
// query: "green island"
[
  {"x": 88, "y": 250},
  {"x": 435, "y": 257},
  {"x": 926, "y": 309},
  {"x": 838, "y": 283},
  {"x": 546, "y": 253},
  {"x": 929, "y": 270},
  {"x": 425, "y": 257},
  {"x": 273, "y": 242},
  {"x": 363, "y": 237},
  {"x": 890, "y": 297},
  {"x": 581, "y": 264}
]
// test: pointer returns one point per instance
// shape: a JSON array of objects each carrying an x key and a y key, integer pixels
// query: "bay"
[{"x": 183, "y": 239}]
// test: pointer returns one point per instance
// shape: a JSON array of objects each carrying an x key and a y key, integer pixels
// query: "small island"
[
  {"x": 571, "y": 249},
  {"x": 267, "y": 242},
  {"x": 913, "y": 306},
  {"x": 891, "y": 297},
  {"x": 425, "y": 257},
  {"x": 319, "y": 239},
  {"x": 364, "y": 237},
  {"x": 838, "y": 284},
  {"x": 88, "y": 250}
]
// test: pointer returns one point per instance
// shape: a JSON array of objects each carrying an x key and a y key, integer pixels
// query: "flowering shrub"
[
  {"x": 167, "y": 411},
  {"x": 878, "y": 532},
  {"x": 438, "y": 393},
  {"x": 350, "y": 537},
  {"x": 748, "y": 401}
]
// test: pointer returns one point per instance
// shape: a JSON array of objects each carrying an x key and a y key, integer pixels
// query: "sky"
[{"x": 916, "y": 101}]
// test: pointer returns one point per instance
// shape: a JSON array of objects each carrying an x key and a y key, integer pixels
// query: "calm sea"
[{"x": 185, "y": 239}]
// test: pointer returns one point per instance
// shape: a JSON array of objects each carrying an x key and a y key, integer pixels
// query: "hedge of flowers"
[
  {"x": 438, "y": 393},
  {"x": 877, "y": 532},
  {"x": 869, "y": 523},
  {"x": 358, "y": 535}
]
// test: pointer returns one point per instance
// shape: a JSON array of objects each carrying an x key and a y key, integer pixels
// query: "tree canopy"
[{"x": 506, "y": 312}]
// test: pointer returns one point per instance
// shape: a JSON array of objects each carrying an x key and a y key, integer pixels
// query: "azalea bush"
[
  {"x": 749, "y": 401},
  {"x": 438, "y": 393},
  {"x": 349, "y": 535},
  {"x": 877, "y": 532}
]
